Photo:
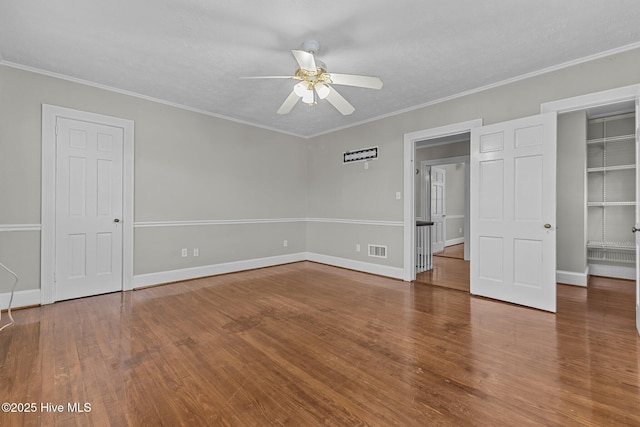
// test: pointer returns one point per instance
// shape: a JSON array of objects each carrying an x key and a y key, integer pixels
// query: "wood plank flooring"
[
  {"x": 306, "y": 344},
  {"x": 447, "y": 272},
  {"x": 453, "y": 251}
]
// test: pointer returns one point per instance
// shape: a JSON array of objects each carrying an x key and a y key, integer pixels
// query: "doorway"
[
  {"x": 442, "y": 197},
  {"x": 87, "y": 204},
  {"x": 444, "y": 138},
  {"x": 605, "y": 103}
]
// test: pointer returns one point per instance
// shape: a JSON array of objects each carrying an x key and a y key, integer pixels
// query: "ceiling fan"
[{"x": 315, "y": 82}]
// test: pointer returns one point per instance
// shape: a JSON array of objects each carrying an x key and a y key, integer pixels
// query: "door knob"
[
  {"x": 547, "y": 226},
  {"x": 633, "y": 229},
  {"x": 116, "y": 220}
]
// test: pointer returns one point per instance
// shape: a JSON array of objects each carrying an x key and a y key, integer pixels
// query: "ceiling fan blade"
[
  {"x": 305, "y": 60},
  {"x": 270, "y": 77},
  {"x": 288, "y": 103},
  {"x": 339, "y": 102},
  {"x": 353, "y": 80}
]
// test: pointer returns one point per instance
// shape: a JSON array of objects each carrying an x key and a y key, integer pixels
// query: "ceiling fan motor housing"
[{"x": 311, "y": 46}]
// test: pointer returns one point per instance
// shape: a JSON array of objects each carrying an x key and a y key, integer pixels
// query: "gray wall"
[
  {"x": 188, "y": 166},
  {"x": 571, "y": 192},
  {"x": 510, "y": 101}
]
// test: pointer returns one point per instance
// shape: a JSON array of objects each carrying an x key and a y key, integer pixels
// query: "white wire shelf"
[
  {"x": 602, "y": 204},
  {"x": 625, "y": 246},
  {"x": 608, "y": 258},
  {"x": 611, "y": 168},
  {"x": 608, "y": 139},
  {"x": 614, "y": 252}
]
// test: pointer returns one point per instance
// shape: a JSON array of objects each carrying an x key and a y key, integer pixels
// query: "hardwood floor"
[
  {"x": 308, "y": 344},
  {"x": 453, "y": 251},
  {"x": 447, "y": 272}
]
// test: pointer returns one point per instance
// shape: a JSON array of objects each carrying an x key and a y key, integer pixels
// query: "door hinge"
[{"x": 56, "y": 130}]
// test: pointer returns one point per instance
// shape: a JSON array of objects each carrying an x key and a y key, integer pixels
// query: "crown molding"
[
  {"x": 542, "y": 71},
  {"x": 140, "y": 96}
]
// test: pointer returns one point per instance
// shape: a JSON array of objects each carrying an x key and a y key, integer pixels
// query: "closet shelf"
[
  {"x": 615, "y": 252},
  {"x": 612, "y": 193},
  {"x": 617, "y": 257},
  {"x": 625, "y": 246},
  {"x": 611, "y": 168},
  {"x": 608, "y": 139},
  {"x": 603, "y": 204}
]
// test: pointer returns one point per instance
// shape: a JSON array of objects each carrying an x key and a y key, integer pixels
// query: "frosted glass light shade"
[
  {"x": 300, "y": 89},
  {"x": 307, "y": 98},
  {"x": 322, "y": 90}
]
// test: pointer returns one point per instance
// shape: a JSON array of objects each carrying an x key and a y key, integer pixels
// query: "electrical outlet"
[
  {"x": 357, "y": 247},
  {"x": 184, "y": 252},
  {"x": 460, "y": 230},
  {"x": 366, "y": 165},
  {"x": 398, "y": 195},
  {"x": 196, "y": 252},
  {"x": 285, "y": 243}
]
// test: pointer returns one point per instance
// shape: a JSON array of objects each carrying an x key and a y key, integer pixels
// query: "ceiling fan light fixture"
[
  {"x": 308, "y": 97},
  {"x": 314, "y": 82},
  {"x": 322, "y": 90},
  {"x": 300, "y": 89}
]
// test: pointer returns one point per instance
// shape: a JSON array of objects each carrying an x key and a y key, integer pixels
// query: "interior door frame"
[
  {"x": 597, "y": 99},
  {"x": 410, "y": 140},
  {"x": 50, "y": 114}
]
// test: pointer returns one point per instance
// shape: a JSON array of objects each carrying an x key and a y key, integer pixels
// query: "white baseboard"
[
  {"x": 33, "y": 297},
  {"x": 572, "y": 278},
  {"x": 455, "y": 241},
  {"x": 366, "y": 267},
  {"x": 616, "y": 271},
  {"x": 142, "y": 280},
  {"x": 20, "y": 299}
]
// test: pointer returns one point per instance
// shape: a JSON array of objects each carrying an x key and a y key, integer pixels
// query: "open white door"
[
  {"x": 636, "y": 227},
  {"x": 437, "y": 203},
  {"x": 513, "y": 211}
]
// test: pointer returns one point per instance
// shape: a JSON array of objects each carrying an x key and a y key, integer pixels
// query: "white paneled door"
[
  {"x": 437, "y": 202},
  {"x": 88, "y": 208},
  {"x": 636, "y": 227},
  {"x": 513, "y": 211}
]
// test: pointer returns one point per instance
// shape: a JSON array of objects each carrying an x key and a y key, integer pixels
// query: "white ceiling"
[{"x": 192, "y": 52}]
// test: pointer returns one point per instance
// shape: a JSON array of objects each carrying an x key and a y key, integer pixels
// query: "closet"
[{"x": 611, "y": 198}]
